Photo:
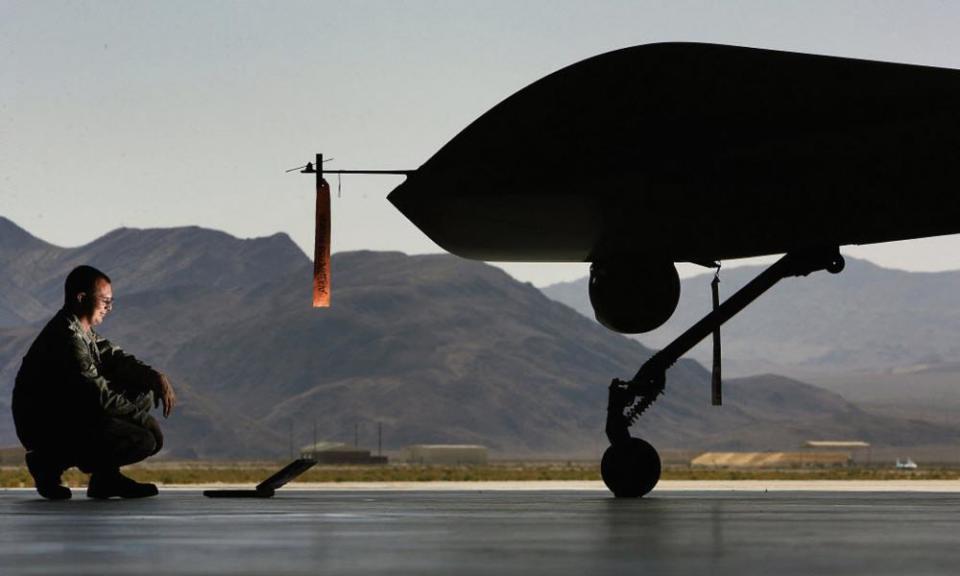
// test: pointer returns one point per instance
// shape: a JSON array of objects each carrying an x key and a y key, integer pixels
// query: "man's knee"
[
  {"x": 153, "y": 427},
  {"x": 142, "y": 441},
  {"x": 121, "y": 442}
]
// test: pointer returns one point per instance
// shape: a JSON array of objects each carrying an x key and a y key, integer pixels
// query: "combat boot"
[
  {"x": 110, "y": 483},
  {"x": 46, "y": 477}
]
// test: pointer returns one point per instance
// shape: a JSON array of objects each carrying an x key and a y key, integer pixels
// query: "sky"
[{"x": 157, "y": 114}]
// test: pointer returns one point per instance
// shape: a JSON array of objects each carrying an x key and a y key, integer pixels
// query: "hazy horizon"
[{"x": 687, "y": 270}]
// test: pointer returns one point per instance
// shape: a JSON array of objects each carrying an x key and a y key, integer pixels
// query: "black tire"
[
  {"x": 836, "y": 265},
  {"x": 630, "y": 469}
]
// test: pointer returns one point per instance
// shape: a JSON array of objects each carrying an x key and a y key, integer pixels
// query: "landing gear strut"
[{"x": 631, "y": 466}]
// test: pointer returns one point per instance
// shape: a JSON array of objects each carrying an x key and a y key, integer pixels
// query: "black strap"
[{"x": 716, "y": 391}]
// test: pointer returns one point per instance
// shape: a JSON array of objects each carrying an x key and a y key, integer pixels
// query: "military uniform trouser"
[{"x": 108, "y": 445}]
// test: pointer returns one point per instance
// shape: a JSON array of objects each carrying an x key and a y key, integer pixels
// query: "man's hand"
[{"x": 164, "y": 393}]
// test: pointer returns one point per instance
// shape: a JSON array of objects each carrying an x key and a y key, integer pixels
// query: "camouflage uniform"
[{"x": 81, "y": 401}]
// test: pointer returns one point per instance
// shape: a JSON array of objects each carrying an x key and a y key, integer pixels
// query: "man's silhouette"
[{"x": 81, "y": 401}]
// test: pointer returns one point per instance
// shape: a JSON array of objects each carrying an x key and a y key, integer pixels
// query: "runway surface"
[{"x": 675, "y": 530}]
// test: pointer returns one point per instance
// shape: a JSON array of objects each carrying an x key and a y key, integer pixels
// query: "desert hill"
[
  {"x": 866, "y": 318},
  {"x": 436, "y": 348}
]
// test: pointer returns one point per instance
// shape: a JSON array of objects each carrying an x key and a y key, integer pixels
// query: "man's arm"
[
  {"x": 125, "y": 369},
  {"x": 136, "y": 374},
  {"x": 97, "y": 387}
]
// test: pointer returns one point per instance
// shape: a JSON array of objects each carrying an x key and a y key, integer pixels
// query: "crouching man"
[{"x": 81, "y": 401}]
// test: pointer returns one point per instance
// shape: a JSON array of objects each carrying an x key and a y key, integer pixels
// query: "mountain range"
[
  {"x": 886, "y": 339},
  {"x": 434, "y": 348},
  {"x": 865, "y": 319}
]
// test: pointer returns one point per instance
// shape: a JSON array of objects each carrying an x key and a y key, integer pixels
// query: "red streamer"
[{"x": 321, "y": 247}]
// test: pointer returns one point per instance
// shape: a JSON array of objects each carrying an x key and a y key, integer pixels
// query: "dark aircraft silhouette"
[
  {"x": 646, "y": 156},
  {"x": 667, "y": 153}
]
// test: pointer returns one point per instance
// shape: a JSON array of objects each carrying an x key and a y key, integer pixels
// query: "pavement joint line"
[{"x": 940, "y": 486}]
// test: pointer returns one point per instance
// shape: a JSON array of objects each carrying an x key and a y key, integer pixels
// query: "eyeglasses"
[{"x": 107, "y": 302}]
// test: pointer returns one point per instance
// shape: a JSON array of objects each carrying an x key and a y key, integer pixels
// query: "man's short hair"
[{"x": 82, "y": 279}]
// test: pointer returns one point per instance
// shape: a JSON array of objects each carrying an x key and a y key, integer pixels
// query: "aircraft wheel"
[
  {"x": 630, "y": 469},
  {"x": 836, "y": 264}
]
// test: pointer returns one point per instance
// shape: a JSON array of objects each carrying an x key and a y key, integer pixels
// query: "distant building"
[
  {"x": 339, "y": 453},
  {"x": 449, "y": 454},
  {"x": 858, "y": 450},
  {"x": 771, "y": 460},
  {"x": 836, "y": 444}
]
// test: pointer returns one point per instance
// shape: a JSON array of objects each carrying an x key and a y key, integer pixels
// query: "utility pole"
[
  {"x": 356, "y": 434},
  {"x": 379, "y": 439}
]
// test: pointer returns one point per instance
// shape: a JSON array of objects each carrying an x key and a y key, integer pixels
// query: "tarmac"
[{"x": 752, "y": 527}]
